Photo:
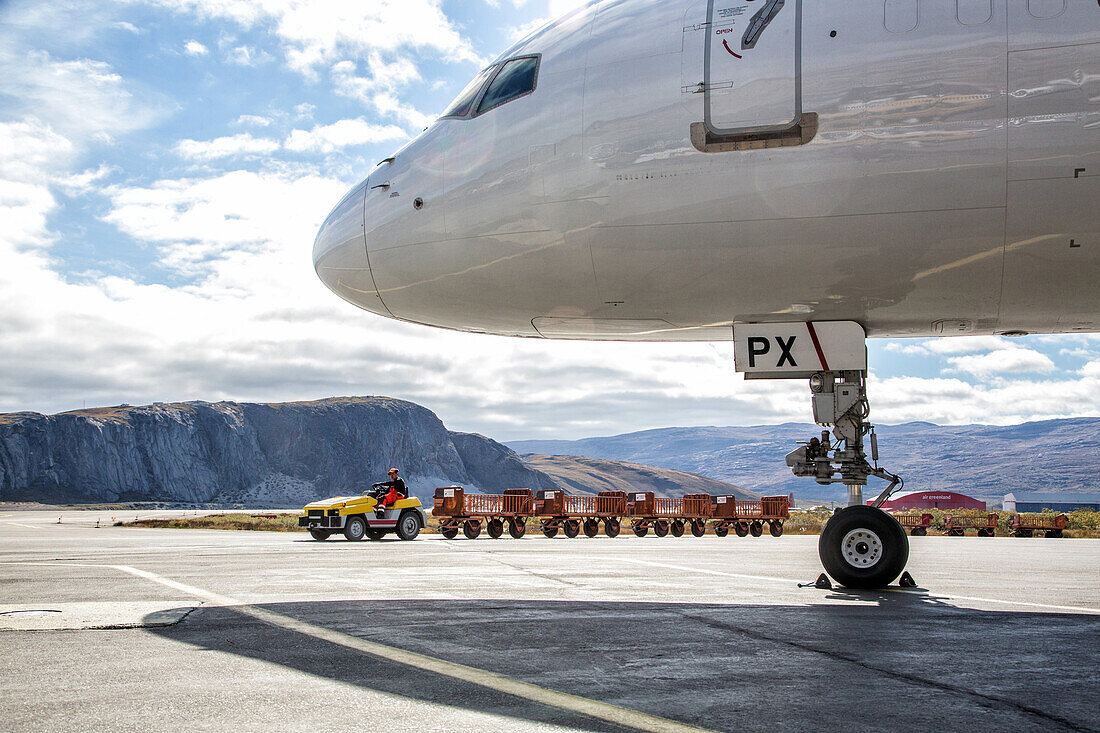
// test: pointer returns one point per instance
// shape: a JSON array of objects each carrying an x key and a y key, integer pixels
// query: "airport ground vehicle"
[
  {"x": 355, "y": 516},
  {"x": 558, "y": 511},
  {"x": 957, "y": 526},
  {"x": 917, "y": 524},
  {"x": 1026, "y": 525}
]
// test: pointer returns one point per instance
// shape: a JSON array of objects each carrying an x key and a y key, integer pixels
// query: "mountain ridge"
[{"x": 984, "y": 461}]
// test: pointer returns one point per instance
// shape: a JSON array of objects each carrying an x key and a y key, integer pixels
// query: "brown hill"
[{"x": 580, "y": 475}]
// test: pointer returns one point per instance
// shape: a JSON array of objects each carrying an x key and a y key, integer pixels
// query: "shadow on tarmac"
[{"x": 868, "y": 659}]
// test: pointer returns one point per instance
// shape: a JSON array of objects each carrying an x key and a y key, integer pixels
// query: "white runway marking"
[{"x": 591, "y": 708}]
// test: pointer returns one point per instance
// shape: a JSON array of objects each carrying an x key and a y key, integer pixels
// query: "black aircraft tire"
[
  {"x": 863, "y": 547},
  {"x": 355, "y": 529},
  {"x": 319, "y": 534}
]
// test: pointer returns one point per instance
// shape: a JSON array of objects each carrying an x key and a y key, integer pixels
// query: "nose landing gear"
[{"x": 861, "y": 546}]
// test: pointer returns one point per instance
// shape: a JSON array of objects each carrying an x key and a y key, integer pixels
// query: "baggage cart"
[
  {"x": 957, "y": 526},
  {"x": 574, "y": 514},
  {"x": 1026, "y": 525},
  {"x": 747, "y": 517},
  {"x": 917, "y": 524},
  {"x": 668, "y": 514},
  {"x": 456, "y": 509}
]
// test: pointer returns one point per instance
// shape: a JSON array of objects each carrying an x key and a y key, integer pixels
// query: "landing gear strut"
[{"x": 861, "y": 546}]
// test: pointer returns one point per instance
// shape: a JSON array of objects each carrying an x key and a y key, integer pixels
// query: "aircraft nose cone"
[{"x": 340, "y": 254}]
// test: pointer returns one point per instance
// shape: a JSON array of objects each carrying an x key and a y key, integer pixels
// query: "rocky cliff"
[{"x": 226, "y": 452}]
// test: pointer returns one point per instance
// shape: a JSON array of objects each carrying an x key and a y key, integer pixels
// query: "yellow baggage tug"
[{"x": 355, "y": 516}]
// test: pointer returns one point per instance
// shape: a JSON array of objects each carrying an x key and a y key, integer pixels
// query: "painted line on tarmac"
[
  {"x": 482, "y": 678},
  {"x": 951, "y": 596}
]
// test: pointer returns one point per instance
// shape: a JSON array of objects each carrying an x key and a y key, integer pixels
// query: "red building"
[{"x": 932, "y": 500}]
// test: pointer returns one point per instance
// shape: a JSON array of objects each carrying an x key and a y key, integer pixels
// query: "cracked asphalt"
[{"x": 112, "y": 628}]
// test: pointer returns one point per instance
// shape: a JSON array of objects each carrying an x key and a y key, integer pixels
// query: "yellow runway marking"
[{"x": 483, "y": 678}]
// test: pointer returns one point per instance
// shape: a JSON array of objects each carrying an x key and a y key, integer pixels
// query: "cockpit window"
[
  {"x": 516, "y": 78},
  {"x": 461, "y": 106}
]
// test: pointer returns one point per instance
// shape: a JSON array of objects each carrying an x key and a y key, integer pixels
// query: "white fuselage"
[{"x": 946, "y": 183}]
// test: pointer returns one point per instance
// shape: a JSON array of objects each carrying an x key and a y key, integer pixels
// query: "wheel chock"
[
  {"x": 906, "y": 580},
  {"x": 822, "y": 583}
]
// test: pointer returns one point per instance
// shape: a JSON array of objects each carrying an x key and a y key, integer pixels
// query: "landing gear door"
[{"x": 752, "y": 74}]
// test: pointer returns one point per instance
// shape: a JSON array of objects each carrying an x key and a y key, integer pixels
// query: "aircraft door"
[{"x": 752, "y": 72}]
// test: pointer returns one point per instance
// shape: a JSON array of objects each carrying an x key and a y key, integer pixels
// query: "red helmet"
[{"x": 393, "y": 470}]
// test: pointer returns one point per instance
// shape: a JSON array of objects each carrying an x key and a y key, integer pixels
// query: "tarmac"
[{"x": 114, "y": 628}]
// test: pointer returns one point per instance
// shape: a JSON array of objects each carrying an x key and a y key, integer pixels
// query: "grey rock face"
[{"x": 285, "y": 453}]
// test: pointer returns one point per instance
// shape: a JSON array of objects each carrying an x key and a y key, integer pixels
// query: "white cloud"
[
  {"x": 128, "y": 27},
  {"x": 242, "y": 144},
  {"x": 951, "y": 345},
  {"x": 319, "y": 32},
  {"x": 83, "y": 99},
  {"x": 378, "y": 87},
  {"x": 1003, "y": 361},
  {"x": 255, "y": 120},
  {"x": 247, "y": 56},
  {"x": 194, "y": 48},
  {"x": 1092, "y": 369},
  {"x": 327, "y": 138}
]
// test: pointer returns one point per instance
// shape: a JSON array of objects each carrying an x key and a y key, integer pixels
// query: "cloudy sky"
[{"x": 164, "y": 166}]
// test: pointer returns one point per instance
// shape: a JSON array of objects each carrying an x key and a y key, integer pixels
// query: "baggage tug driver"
[{"x": 396, "y": 491}]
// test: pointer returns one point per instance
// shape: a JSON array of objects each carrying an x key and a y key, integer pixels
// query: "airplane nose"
[{"x": 340, "y": 254}]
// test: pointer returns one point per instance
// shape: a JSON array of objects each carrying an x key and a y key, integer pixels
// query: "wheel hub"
[{"x": 861, "y": 548}]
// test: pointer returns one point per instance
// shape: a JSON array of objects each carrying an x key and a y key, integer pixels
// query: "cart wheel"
[
  {"x": 660, "y": 528},
  {"x": 572, "y": 528},
  {"x": 677, "y": 528},
  {"x": 722, "y": 529},
  {"x": 863, "y": 547},
  {"x": 471, "y": 528},
  {"x": 320, "y": 534},
  {"x": 449, "y": 532},
  {"x": 495, "y": 528},
  {"x": 1052, "y": 533},
  {"x": 756, "y": 529},
  {"x": 591, "y": 527},
  {"x": 355, "y": 529},
  {"x": 517, "y": 528},
  {"x": 775, "y": 528},
  {"x": 742, "y": 529},
  {"x": 698, "y": 528},
  {"x": 550, "y": 530},
  {"x": 641, "y": 530},
  {"x": 611, "y": 527}
]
